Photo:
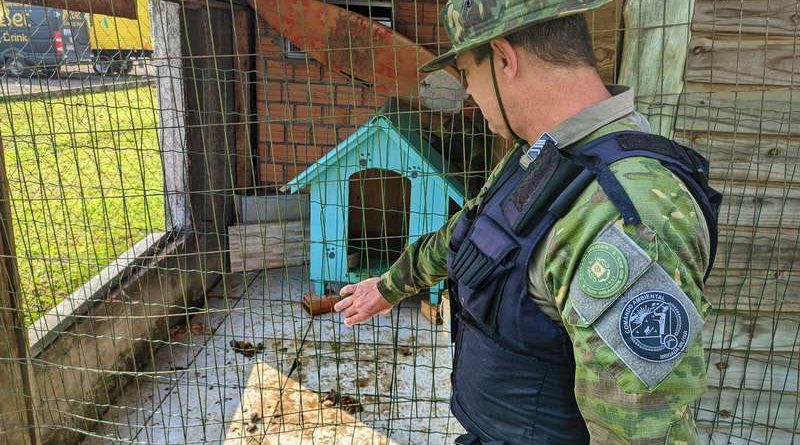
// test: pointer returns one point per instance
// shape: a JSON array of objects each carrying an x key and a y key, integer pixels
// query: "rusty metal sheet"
[{"x": 351, "y": 44}]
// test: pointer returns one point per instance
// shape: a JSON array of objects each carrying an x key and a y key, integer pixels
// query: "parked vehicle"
[
  {"x": 35, "y": 38},
  {"x": 31, "y": 38},
  {"x": 116, "y": 41},
  {"x": 77, "y": 37}
]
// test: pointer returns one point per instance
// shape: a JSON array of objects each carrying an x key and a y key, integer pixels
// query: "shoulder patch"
[
  {"x": 611, "y": 264},
  {"x": 650, "y": 326},
  {"x": 650, "y": 323},
  {"x": 603, "y": 271},
  {"x": 655, "y": 326}
]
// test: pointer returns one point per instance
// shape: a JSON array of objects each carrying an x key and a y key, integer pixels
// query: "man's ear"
[{"x": 506, "y": 57}]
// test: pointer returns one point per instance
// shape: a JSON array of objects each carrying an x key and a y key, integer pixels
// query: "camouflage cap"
[{"x": 471, "y": 23}]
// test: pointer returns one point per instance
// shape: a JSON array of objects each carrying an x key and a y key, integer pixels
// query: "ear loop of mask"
[{"x": 514, "y": 134}]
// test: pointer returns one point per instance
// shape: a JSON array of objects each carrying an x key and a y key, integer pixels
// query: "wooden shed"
[{"x": 739, "y": 106}]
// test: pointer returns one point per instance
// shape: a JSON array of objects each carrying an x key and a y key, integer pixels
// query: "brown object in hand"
[{"x": 316, "y": 306}]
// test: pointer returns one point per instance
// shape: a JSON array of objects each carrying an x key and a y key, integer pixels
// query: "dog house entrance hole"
[{"x": 379, "y": 203}]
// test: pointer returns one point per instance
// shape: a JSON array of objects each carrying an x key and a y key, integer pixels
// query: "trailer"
[
  {"x": 40, "y": 39},
  {"x": 116, "y": 41}
]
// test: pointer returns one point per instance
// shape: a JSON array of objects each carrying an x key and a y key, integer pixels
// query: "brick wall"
[{"x": 303, "y": 110}]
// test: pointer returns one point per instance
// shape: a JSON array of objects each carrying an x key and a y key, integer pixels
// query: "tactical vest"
[{"x": 513, "y": 369}]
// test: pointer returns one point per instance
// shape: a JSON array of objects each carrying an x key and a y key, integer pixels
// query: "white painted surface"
[{"x": 171, "y": 112}]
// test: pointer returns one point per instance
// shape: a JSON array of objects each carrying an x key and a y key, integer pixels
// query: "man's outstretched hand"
[{"x": 362, "y": 301}]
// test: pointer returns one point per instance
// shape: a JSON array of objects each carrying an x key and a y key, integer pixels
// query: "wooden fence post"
[
  {"x": 654, "y": 57},
  {"x": 210, "y": 123},
  {"x": 17, "y": 415}
]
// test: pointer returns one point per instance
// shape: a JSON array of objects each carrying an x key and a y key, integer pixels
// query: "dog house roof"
[{"x": 398, "y": 130}]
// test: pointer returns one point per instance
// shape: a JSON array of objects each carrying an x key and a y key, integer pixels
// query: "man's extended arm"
[
  {"x": 421, "y": 265},
  {"x": 424, "y": 263}
]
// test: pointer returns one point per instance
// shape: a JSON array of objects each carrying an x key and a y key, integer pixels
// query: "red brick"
[
  {"x": 310, "y": 154},
  {"x": 361, "y": 115},
  {"x": 426, "y": 34},
  {"x": 373, "y": 100},
  {"x": 344, "y": 132},
  {"x": 441, "y": 36},
  {"x": 293, "y": 170},
  {"x": 298, "y": 134},
  {"x": 279, "y": 153},
  {"x": 279, "y": 173},
  {"x": 306, "y": 112},
  {"x": 406, "y": 29},
  {"x": 406, "y": 11},
  {"x": 276, "y": 69},
  {"x": 340, "y": 116},
  {"x": 277, "y": 111},
  {"x": 305, "y": 109},
  {"x": 297, "y": 154},
  {"x": 329, "y": 136},
  {"x": 430, "y": 14},
  {"x": 336, "y": 78},
  {"x": 262, "y": 151},
  {"x": 271, "y": 133},
  {"x": 333, "y": 78},
  {"x": 324, "y": 135},
  {"x": 309, "y": 70},
  {"x": 316, "y": 94},
  {"x": 273, "y": 173},
  {"x": 274, "y": 91},
  {"x": 348, "y": 95}
]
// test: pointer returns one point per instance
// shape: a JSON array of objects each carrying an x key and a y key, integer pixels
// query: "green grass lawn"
[{"x": 86, "y": 183}]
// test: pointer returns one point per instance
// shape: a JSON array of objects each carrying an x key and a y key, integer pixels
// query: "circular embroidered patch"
[
  {"x": 655, "y": 326},
  {"x": 603, "y": 271}
]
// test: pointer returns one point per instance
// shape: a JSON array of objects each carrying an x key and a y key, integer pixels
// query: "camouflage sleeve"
[
  {"x": 634, "y": 381},
  {"x": 421, "y": 265},
  {"x": 424, "y": 263}
]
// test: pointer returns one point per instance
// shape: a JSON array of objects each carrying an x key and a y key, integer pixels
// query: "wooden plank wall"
[{"x": 740, "y": 108}]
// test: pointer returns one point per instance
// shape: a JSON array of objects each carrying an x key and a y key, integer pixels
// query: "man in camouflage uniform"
[{"x": 621, "y": 273}]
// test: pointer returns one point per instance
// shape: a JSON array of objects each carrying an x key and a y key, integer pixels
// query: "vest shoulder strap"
[{"x": 688, "y": 165}]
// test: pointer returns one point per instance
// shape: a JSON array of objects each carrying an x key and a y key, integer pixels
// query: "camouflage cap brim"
[
  {"x": 449, "y": 58},
  {"x": 441, "y": 62}
]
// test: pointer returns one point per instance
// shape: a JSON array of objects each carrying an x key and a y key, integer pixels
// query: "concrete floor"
[{"x": 199, "y": 390}]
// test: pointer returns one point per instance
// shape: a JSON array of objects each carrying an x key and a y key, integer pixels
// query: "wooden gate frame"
[{"x": 17, "y": 405}]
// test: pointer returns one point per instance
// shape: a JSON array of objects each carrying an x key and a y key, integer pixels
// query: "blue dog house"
[{"x": 378, "y": 190}]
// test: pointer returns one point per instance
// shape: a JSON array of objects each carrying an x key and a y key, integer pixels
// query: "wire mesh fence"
[{"x": 185, "y": 181}]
